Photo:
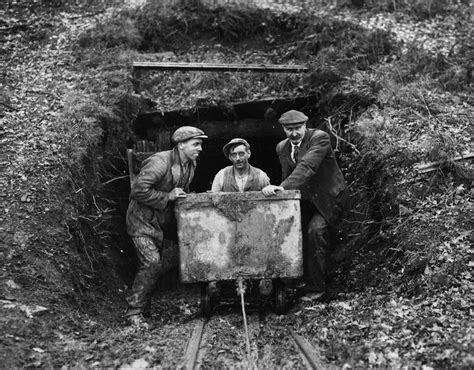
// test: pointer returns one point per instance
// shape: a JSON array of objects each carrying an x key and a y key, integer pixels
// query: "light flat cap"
[
  {"x": 293, "y": 117},
  {"x": 234, "y": 142},
  {"x": 186, "y": 133}
]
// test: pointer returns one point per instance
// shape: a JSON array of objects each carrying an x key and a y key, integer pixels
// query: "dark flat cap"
[
  {"x": 187, "y": 132},
  {"x": 293, "y": 117},
  {"x": 234, "y": 142}
]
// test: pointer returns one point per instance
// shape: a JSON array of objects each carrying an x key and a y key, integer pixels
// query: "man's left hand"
[{"x": 270, "y": 190}]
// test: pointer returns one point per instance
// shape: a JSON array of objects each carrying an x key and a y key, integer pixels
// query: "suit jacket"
[
  {"x": 149, "y": 210},
  {"x": 316, "y": 173}
]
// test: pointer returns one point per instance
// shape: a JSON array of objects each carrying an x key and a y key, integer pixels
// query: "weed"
[{"x": 119, "y": 30}]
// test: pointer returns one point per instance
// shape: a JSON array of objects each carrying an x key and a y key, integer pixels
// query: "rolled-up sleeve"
[
  {"x": 263, "y": 180},
  {"x": 218, "y": 182}
]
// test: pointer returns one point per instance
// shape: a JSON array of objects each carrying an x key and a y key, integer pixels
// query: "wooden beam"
[
  {"x": 216, "y": 67},
  {"x": 432, "y": 166}
]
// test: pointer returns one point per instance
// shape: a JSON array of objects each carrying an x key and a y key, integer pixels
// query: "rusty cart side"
[{"x": 226, "y": 237}]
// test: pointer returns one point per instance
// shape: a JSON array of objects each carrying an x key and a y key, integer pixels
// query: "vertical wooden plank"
[{"x": 131, "y": 164}]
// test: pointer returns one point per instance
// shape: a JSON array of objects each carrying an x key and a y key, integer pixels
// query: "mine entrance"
[
  {"x": 212, "y": 160},
  {"x": 257, "y": 122}
]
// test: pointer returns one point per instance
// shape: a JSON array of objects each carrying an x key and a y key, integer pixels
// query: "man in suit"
[
  {"x": 308, "y": 164},
  {"x": 164, "y": 177},
  {"x": 241, "y": 176}
]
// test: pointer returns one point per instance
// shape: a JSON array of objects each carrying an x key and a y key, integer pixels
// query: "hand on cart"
[{"x": 270, "y": 190}]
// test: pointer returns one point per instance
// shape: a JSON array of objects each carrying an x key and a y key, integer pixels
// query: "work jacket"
[
  {"x": 316, "y": 173},
  {"x": 150, "y": 210}
]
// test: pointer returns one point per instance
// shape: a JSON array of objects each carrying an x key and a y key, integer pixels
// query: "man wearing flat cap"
[
  {"x": 241, "y": 176},
  {"x": 308, "y": 163},
  {"x": 164, "y": 177}
]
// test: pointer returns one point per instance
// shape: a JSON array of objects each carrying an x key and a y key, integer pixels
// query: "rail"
[{"x": 309, "y": 353}]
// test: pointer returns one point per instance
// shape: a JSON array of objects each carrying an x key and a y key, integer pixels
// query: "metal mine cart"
[{"x": 240, "y": 238}]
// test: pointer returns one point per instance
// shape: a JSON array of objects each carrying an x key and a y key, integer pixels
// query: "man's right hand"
[
  {"x": 270, "y": 190},
  {"x": 176, "y": 193}
]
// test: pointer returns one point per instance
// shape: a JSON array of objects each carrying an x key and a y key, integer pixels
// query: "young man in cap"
[
  {"x": 241, "y": 176},
  {"x": 308, "y": 164},
  {"x": 164, "y": 177}
]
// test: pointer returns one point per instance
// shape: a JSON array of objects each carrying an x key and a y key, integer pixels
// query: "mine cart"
[{"x": 244, "y": 238}]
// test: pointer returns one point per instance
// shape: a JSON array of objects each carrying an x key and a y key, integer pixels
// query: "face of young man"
[
  {"x": 239, "y": 156},
  {"x": 295, "y": 133},
  {"x": 191, "y": 148}
]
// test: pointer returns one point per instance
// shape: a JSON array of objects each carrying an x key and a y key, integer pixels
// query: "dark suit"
[{"x": 324, "y": 196}]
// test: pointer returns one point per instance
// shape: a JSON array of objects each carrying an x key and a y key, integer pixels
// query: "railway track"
[{"x": 222, "y": 341}]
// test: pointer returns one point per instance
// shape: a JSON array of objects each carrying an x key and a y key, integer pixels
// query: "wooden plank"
[
  {"x": 311, "y": 354},
  {"x": 192, "y": 351},
  {"x": 432, "y": 166},
  {"x": 215, "y": 67},
  {"x": 131, "y": 165}
]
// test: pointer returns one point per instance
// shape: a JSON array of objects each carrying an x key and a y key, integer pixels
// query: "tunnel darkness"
[
  {"x": 256, "y": 122},
  {"x": 212, "y": 159}
]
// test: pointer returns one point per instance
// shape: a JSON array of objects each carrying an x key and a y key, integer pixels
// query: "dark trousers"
[{"x": 317, "y": 245}]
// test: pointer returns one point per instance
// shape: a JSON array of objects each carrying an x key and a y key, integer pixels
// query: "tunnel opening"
[{"x": 255, "y": 121}]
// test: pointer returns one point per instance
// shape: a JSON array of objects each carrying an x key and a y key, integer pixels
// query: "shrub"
[
  {"x": 343, "y": 43},
  {"x": 178, "y": 26},
  {"x": 119, "y": 30}
]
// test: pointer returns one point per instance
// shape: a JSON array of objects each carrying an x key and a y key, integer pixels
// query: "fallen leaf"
[
  {"x": 372, "y": 357},
  {"x": 31, "y": 310},
  {"x": 344, "y": 305},
  {"x": 141, "y": 363}
]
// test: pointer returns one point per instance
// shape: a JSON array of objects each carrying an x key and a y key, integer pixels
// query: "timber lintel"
[{"x": 217, "y": 67}]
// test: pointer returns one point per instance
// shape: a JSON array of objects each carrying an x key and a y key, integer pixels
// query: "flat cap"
[
  {"x": 293, "y": 117},
  {"x": 187, "y": 132},
  {"x": 234, "y": 142}
]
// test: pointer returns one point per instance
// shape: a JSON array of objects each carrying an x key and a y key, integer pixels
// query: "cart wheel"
[
  {"x": 206, "y": 301},
  {"x": 281, "y": 301}
]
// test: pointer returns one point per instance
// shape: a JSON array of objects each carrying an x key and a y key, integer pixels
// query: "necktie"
[{"x": 295, "y": 153}]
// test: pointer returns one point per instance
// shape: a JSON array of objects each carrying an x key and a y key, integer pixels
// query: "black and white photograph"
[{"x": 250, "y": 184}]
